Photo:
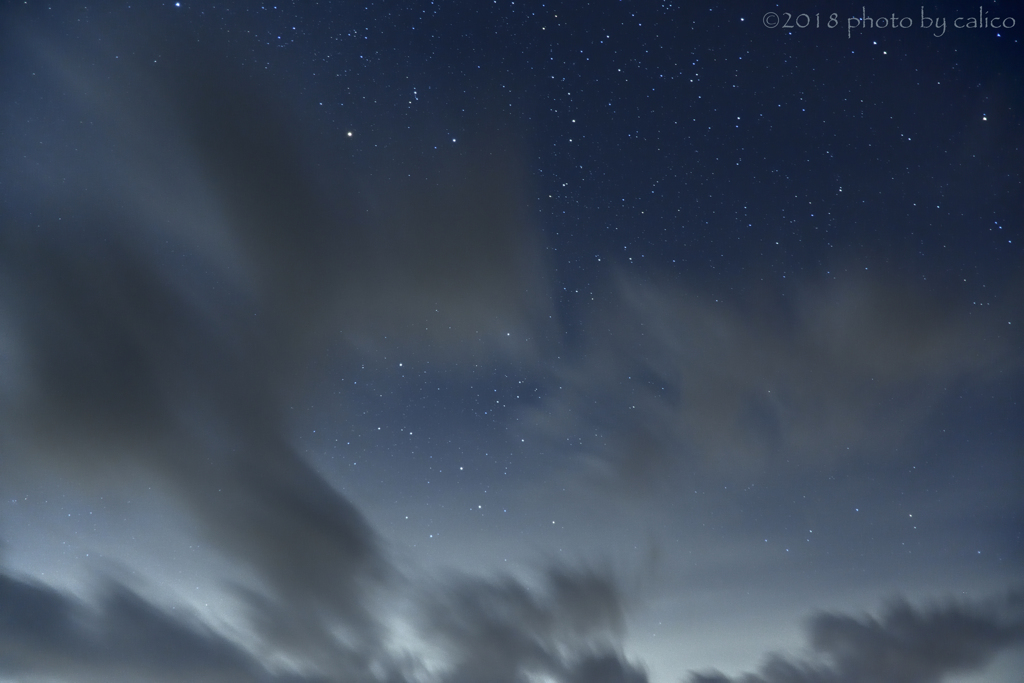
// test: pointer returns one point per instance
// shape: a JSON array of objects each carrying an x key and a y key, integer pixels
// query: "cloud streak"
[
  {"x": 566, "y": 630},
  {"x": 904, "y": 645},
  {"x": 124, "y": 637}
]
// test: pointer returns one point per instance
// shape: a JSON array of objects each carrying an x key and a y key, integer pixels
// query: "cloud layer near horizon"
[
  {"x": 905, "y": 645},
  {"x": 485, "y": 632}
]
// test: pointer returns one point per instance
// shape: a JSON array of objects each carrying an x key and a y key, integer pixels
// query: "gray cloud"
[
  {"x": 172, "y": 266},
  {"x": 499, "y": 631},
  {"x": 678, "y": 379},
  {"x": 905, "y": 645},
  {"x": 123, "y": 637},
  {"x": 167, "y": 271},
  {"x": 507, "y": 632}
]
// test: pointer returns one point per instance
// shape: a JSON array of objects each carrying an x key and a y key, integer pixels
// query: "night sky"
[{"x": 512, "y": 342}]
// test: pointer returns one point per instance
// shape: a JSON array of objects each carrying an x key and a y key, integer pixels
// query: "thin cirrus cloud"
[{"x": 674, "y": 379}]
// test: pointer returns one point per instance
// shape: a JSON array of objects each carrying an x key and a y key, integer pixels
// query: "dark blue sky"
[{"x": 510, "y": 342}]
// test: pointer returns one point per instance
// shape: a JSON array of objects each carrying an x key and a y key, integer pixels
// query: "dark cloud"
[
  {"x": 565, "y": 629},
  {"x": 677, "y": 378},
  {"x": 122, "y": 637},
  {"x": 171, "y": 264},
  {"x": 905, "y": 645},
  {"x": 180, "y": 254},
  {"x": 605, "y": 668},
  {"x": 484, "y": 630}
]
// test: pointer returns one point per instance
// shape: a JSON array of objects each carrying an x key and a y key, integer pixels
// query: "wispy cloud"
[
  {"x": 674, "y": 378},
  {"x": 160, "y": 305}
]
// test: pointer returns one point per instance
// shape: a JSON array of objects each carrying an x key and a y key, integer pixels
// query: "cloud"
[
  {"x": 905, "y": 645},
  {"x": 497, "y": 631},
  {"x": 167, "y": 273},
  {"x": 673, "y": 378},
  {"x": 124, "y": 637},
  {"x": 172, "y": 270},
  {"x": 565, "y": 630}
]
